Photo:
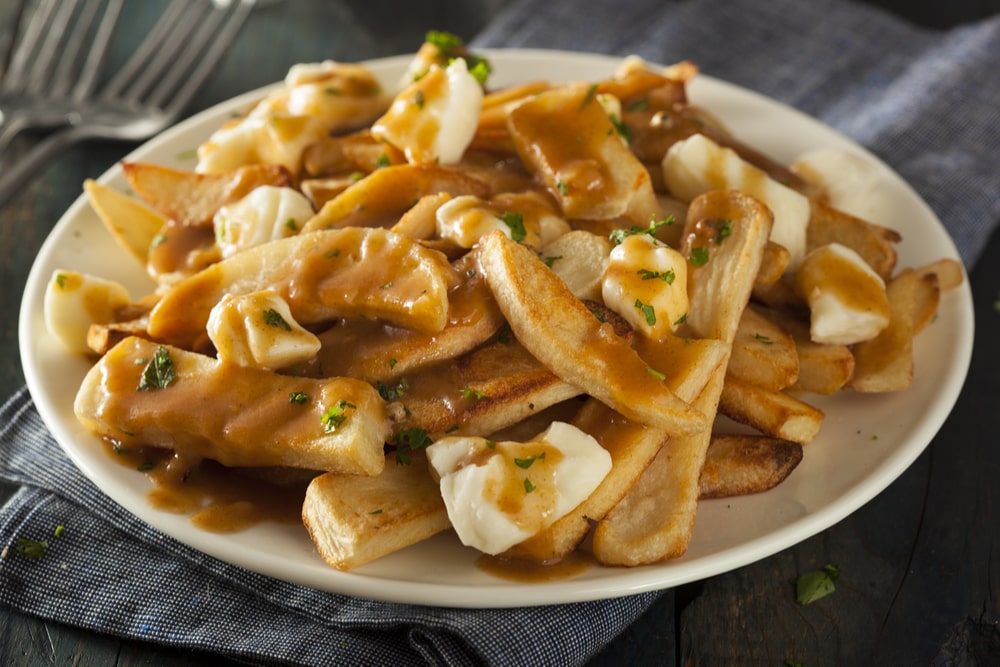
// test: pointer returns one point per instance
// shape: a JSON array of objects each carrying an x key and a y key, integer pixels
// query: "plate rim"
[{"x": 500, "y": 593}]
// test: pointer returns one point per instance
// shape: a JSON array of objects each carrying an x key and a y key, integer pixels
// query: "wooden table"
[{"x": 919, "y": 563}]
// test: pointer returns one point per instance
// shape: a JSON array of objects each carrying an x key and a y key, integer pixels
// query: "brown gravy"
[
  {"x": 218, "y": 499},
  {"x": 528, "y": 572}
]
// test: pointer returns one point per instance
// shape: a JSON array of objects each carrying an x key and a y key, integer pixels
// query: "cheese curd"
[
  {"x": 257, "y": 330},
  {"x": 434, "y": 119},
  {"x": 501, "y": 493},
  {"x": 267, "y": 213},
  {"x": 697, "y": 165},
  {"x": 524, "y": 217},
  {"x": 646, "y": 283},
  {"x": 73, "y": 301},
  {"x": 847, "y": 299}
]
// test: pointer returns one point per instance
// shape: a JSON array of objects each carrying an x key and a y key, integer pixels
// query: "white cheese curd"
[
  {"x": 501, "y": 493},
  {"x": 465, "y": 219},
  {"x": 266, "y": 213},
  {"x": 852, "y": 183},
  {"x": 434, "y": 119},
  {"x": 646, "y": 283},
  {"x": 697, "y": 165},
  {"x": 847, "y": 299},
  {"x": 257, "y": 330},
  {"x": 73, "y": 301}
]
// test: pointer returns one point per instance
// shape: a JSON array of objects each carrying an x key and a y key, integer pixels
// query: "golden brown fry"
[
  {"x": 773, "y": 413},
  {"x": 234, "y": 415},
  {"x": 823, "y": 368},
  {"x": 874, "y": 243},
  {"x": 948, "y": 271},
  {"x": 568, "y": 142},
  {"x": 191, "y": 198},
  {"x": 353, "y": 520},
  {"x": 562, "y": 333},
  {"x": 763, "y": 353},
  {"x": 379, "y": 199},
  {"x": 737, "y": 465},
  {"x": 773, "y": 264},
  {"x": 131, "y": 223},
  {"x": 885, "y": 363},
  {"x": 323, "y": 276},
  {"x": 654, "y": 521}
]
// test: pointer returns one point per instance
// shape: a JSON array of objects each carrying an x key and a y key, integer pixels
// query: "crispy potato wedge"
[
  {"x": 381, "y": 352},
  {"x": 655, "y": 519},
  {"x": 323, "y": 275},
  {"x": 478, "y": 393},
  {"x": 823, "y": 368},
  {"x": 379, "y": 199},
  {"x": 763, "y": 353},
  {"x": 885, "y": 363},
  {"x": 353, "y": 519},
  {"x": 773, "y": 265},
  {"x": 773, "y": 413},
  {"x": 875, "y": 244},
  {"x": 562, "y": 333},
  {"x": 738, "y": 465},
  {"x": 579, "y": 258},
  {"x": 192, "y": 198},
  {"x": 131, "y": 223},
  {"x": 568, "y": 142},
  {"x": 234, "y": 415}
]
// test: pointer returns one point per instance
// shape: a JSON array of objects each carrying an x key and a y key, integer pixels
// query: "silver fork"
[
  {"x": 151, "y": 90},
  {"x": 54, "y": 68}
]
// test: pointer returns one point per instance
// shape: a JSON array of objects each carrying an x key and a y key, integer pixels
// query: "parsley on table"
[
  {"x": 815, "y": 585},
  {"x": 33, "y": 549}
]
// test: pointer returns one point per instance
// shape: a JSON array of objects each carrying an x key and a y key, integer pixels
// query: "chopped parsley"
[
  {"x": 451, "y": 46},
  {"x": 588, "y": 96},
  {"x": 699, "y": 256},
  {"x": 146, "y": 465},
  {"x": 159, "y": 372},
  {"x": 298, "y": 397},
  {"x": 378, "y": 511},
  {"x": 723, "y": 228},
  {"x": 647, "y": 312},
  {"x": 549, "y": 261},
  {"x": 61, "y": 280},
  {"x": 334, "y": 417},
  {"x": 527, "y": 462},
  {"x": 469, "y": 392},
  {"x": 382, "y": 161},
  {"x": 33, "y": 549},
  {"x": 623, "y": 130},
  {"x": 599, "y": 314},
  {"x": 618, "y": 236},
  {"x": 681, "y": 320},
  {"x": 817, "y": 584},
  {"x": 516, "y": 223},
  {"x": 561, "y": 187},
  {"x": 273, "y": 318},
  {"x": 60, "y": 529},
  {"x": 392, "y": 362},
  {"x": 639, "y": 105},
  {"x": 292, "y": 224},
  {"x": 446, "y": 42},
  {"x": 528, "y": 486},
  {"x": 667, "y": 276},
  {"x": 761, "y": 338},
  {"x": 657, "y": 374},
  {"x": 419, "y": 99},
  {"x": 409, "y": 440},
  {"x": 395, "y": 393}
]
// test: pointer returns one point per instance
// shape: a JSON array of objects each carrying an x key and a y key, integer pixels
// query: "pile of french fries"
[{"x": 350, "y": 276}]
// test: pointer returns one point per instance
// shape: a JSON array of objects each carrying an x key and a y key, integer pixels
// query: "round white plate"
[{"x": 866, "y": 441}]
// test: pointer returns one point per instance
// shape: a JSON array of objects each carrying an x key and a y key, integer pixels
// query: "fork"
[
  {"x": 149, "y": 93},
  {"x": 38, "y": 90}
]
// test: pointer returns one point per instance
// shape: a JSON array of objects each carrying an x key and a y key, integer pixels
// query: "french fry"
[
  {"x": 763, "y": 353},
  {"x": 322, "y": 276},
  {"x": 737, "y": 465},
  {"x": 824, "y": 368},
  {"x": 885, "y": 363},
  {"x": 874, "y": 243},
  {"x": 773, "y": 413},
  {"x": 564, "y": 335},
  {"x": 131, "y": 223},
  {"x": 654, "y": 521},
  {"x": 385, "y": 194},
  {"x": 237, "y": 416},
  {"x": 191, "y": 198},
  {"x": 353, "y": 520}
]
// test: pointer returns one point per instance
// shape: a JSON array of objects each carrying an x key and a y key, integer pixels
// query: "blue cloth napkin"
[{"x": 927, "y": 102}]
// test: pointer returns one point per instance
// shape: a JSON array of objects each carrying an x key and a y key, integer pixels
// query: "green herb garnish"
[
  {"x": 159, "y": 372},
  {"x": 273, "y": 318}
]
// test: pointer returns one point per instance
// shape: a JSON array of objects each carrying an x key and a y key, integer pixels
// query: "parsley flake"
[
  {"x": 408, "y": 440},
  {"x": 33, "y": 549},
  {"x": 588, "y": 96},
  {"x": 273, "y": 318},
  {"x": 699, "y": 256},
  {"x": 334, "y": 417},
  {"x": 647, "y": 311},
  {"x": 390, "y": 393},
  {"x": 159, "y": 372},
  {"x": 527, "y": 462},
  {"x": 298, "y": 397},
  {"x": 817, "y": 584},
  {"x": 667, "y": 276},
  {"x": 61, "y": 280},
  {"x": 528, "y": 486},
  {"x": 657, "y": 374},
  {"x": 469, "y": 392},
  {"x": 618, "y": 236},
  {"x": 723, "y": 228},
  {"x": 761, "y": 338},
  {"x": 516, "y": 223}
]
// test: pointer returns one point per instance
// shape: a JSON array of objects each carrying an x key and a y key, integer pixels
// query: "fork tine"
[
  {"x": 204, "y": 53},
  {"x": 153, "y": 43},
  {"x": 31, "y": 41},
  {"x": 69, "y": 70}
]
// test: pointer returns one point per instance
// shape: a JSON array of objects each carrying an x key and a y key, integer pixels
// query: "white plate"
[{"x": 865, "y": 443}]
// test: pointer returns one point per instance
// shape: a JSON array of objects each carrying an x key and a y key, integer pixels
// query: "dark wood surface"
[{"x": 919, "y": 564}]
